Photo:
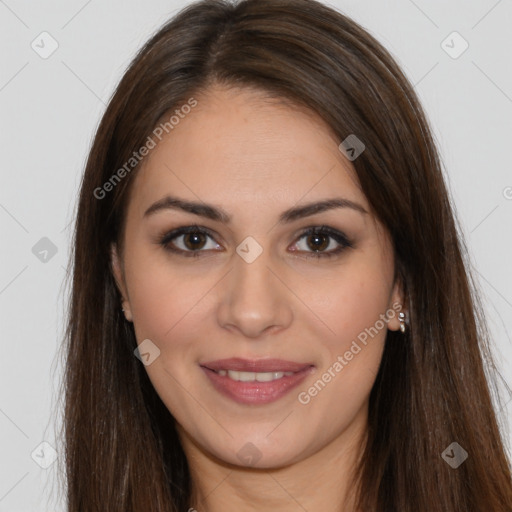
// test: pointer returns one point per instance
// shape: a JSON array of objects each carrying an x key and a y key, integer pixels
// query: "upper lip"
[{"x": 253, "y": 365}]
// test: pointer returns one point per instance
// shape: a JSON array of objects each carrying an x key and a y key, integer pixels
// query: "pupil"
[
  {"x": 194, "y": 239},
  {"x": 317, "y": 242}
]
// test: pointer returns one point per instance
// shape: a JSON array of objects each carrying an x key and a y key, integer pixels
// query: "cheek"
[
  {"x": 165, "y": 308},
  {"x": 352, "y": 302},
  {"x": 353, "y": 307},
  {"x": 162, "y": 299}
]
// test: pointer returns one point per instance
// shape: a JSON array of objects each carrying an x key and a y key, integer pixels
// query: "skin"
[{"x": 255, "y": 158}]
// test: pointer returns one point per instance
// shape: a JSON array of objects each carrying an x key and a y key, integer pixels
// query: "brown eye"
[
  {"x": 322, "y": 241},
  {"x": 194, "y": 241},
  {"x": 317, "y": 242},
  {"x": 189, "y": 241}
]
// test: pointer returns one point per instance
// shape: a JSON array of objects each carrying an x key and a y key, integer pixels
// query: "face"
[{"x": 259, "y": 276}]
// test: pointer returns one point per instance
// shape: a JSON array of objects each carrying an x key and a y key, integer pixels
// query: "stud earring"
[{"x": 401, "y": 318}]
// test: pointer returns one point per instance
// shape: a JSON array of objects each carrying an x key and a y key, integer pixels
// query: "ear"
[
  {"x": 396, "y": 305},
  {"x": 118, "y": 272}
]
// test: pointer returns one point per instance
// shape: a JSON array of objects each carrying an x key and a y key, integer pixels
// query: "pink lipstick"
[{"x": 255, "y": 381}]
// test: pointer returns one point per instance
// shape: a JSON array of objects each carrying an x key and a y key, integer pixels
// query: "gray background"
[{"x": 50, "y": 109}]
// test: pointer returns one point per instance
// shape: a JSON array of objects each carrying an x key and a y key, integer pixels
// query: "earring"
[{"x": 401, "y": 318}]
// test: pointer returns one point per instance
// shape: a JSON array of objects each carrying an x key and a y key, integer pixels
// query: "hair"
[{"x": 122, "y": 451}]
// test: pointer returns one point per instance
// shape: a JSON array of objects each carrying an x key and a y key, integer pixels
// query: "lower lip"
[{"x": 256, "y": 392}]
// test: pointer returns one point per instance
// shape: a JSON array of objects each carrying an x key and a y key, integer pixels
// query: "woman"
[{"x": 270, "y": 307}]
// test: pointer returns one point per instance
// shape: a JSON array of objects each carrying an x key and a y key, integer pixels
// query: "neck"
[{"x": 320, "y": 481}]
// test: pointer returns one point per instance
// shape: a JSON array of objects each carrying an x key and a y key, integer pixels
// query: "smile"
[
  {"x": 253, "y": 376},
  {"x": 255, "y": 382}
]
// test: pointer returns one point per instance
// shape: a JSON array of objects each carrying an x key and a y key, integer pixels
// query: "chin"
[{"x": 259, "y": 452}]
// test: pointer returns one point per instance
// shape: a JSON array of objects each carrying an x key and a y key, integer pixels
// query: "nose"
[{"x": 253, "y": 300}]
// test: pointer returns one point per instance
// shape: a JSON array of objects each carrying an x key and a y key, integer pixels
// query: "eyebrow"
[{"x": 218, "y": 214}]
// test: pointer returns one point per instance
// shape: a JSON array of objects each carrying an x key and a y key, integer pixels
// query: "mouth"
[
  {"x": 255, "y": 381},
  {"x": 253, "y": 376}
]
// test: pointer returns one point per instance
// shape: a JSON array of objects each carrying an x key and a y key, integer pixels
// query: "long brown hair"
[{"x": 122, "y": 449}]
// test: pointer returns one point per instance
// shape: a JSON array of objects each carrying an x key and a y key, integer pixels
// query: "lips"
[
  {"x": 257, "y": 366},
  {"x": 271, "y": 379}
]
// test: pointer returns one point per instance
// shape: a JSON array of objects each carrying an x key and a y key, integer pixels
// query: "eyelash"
[{"x": 339, "y": 237}]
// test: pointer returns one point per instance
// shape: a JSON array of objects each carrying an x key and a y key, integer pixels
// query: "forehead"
[{"x": 240, "y": 146}]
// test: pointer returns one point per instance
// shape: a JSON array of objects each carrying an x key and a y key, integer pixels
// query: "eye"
[
  {"x": 320, "y": 241},
  {"x": 190, "y": 240},
  {"x": 321, "y": 238}
]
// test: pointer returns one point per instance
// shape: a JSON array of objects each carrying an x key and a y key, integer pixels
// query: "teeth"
[{"x": 253, "y": 376}]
